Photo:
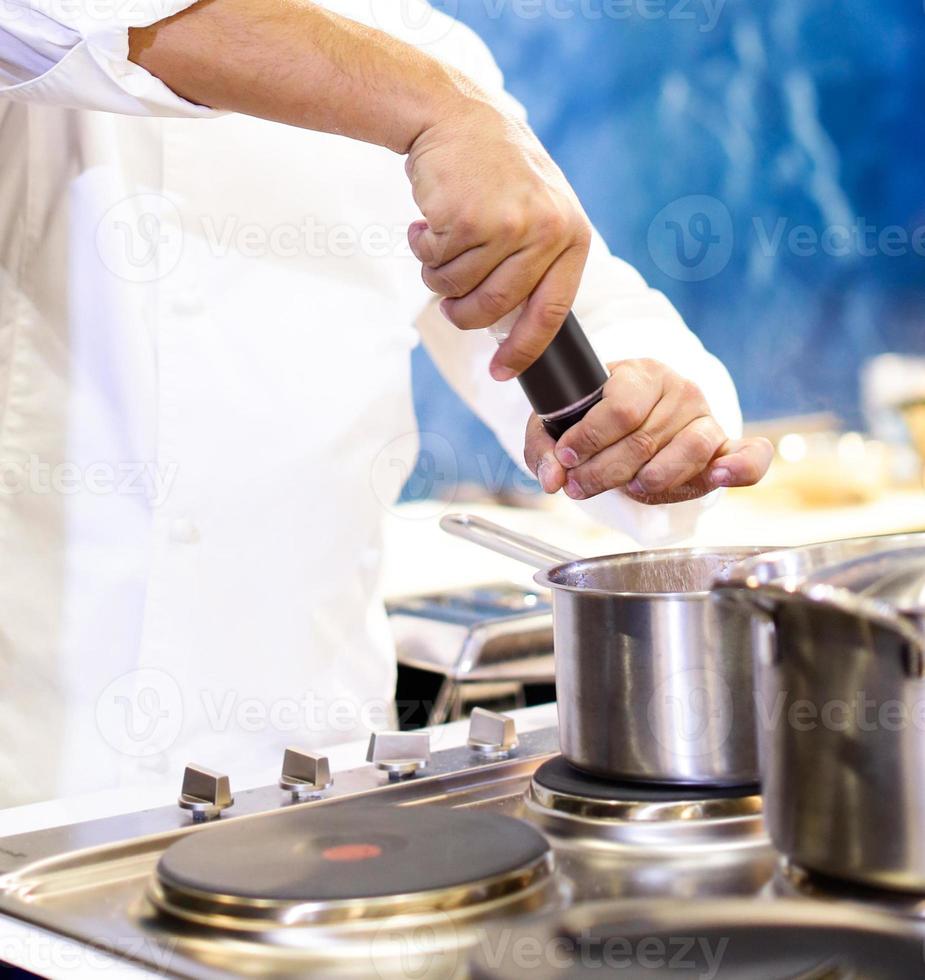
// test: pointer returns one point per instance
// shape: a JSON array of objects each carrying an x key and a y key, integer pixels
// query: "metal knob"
[
  {"x": 304, "y": 774},
  {"x": 492, "y": 736},
  {"x": 205, "y": 793},
  {"x": 400, "y": 754}
]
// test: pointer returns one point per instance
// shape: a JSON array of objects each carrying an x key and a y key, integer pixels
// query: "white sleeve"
[{"x": 74, "y": 53}]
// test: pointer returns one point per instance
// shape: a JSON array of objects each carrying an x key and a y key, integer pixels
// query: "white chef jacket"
[{"x": 206, "y": 324}]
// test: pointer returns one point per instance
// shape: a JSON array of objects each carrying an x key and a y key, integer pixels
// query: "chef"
[{"x": 224, "y": 226}]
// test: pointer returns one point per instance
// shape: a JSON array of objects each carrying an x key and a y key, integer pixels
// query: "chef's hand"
[
  {"x": 651, "y": 436},
  {"x": 502, "y": 227}
]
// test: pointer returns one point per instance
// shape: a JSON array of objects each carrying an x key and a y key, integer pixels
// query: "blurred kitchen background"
[{"x": 761, "y": 164}]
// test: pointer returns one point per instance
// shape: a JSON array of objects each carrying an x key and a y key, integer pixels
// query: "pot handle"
[
  {"x": 766, "y": 597},
  {"x": 521, "y": 547}
]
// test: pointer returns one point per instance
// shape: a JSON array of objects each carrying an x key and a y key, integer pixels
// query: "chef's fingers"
[
  {"x": 548, "y": 306},
  {"x": 686, "y": 456},
  {"x": 503, "y": 290},
  {"x": 540, "y": 458},
  {"x": 435, "y": 248},
  {"x": 451, "y": 234},
  {"x": 465, "y": 273},
  {"x": 634, "y": 389},
  {"x": 741, "y": 463},
  {"x": 680, "y": 410},
  {"x": 738, "y": 463},
  {"x": 616, "y": 465}
]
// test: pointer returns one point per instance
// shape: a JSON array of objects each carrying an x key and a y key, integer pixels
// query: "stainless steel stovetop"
[{"x": 95, "y": 882}]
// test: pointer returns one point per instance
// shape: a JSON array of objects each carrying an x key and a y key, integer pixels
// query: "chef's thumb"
[{"x": 540, "y": 457}]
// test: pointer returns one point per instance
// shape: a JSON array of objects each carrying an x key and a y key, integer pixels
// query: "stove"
[{"x": 455, "y": 864}]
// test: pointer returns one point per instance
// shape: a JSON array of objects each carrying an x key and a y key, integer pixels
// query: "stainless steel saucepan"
[
  {"x": 654, "y": 681},
  {"x": 840, "y": 662}
]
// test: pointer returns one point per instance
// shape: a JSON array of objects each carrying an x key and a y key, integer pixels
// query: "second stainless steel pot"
[
  {"x": 653, "y": 679},
  {"x": 840, "y": 661}
]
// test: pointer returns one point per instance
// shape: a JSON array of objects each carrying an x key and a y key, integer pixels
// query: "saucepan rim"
[
  {"x": 751, "y": 582},
  {"x": 741, "y": 552},
  {"x": 746, "y": 574}
]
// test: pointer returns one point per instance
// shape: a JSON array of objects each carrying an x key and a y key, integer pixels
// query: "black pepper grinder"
[{"x": 566, "y": 380}]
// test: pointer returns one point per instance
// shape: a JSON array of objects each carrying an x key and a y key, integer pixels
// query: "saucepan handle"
[{"x": 521, "y": 547}]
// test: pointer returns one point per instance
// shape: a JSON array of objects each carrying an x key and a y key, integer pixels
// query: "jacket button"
[
  {"x": 187, "y": 302},
  {"x": 184, "y": 531}
]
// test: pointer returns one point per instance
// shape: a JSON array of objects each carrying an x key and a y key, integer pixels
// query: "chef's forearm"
[
  {"x": 294, "y": 62},
  {"x": 501, "y": 226}
]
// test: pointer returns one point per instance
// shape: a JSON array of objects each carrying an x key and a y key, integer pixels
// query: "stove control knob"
[
  {"x": 205, "y": 793},
  {"x": 400, "y": 754},
  {"x": 491, "y": 736},
  {"x": 305, "y": 774}
]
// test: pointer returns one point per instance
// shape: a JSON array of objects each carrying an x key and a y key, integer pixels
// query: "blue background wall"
[{"x": 760, "y": 161}]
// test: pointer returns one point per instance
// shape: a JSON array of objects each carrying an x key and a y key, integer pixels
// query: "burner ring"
[
  {"x": 352, "y": 867},
  {"x": 570, "y": 804},
  {"x": 249, "y": 914},
  {"x": 644, "y": 811}
]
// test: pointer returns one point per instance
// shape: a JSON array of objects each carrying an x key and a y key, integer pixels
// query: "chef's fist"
[
  {"x": 502, "y": 227},
  {"x": 651, "y": 436}
]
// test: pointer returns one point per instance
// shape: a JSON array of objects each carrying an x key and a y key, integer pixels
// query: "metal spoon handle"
[{"x": 520, "y": 547}]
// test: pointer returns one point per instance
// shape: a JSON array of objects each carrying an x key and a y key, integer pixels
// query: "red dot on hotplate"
[{"x": 351, "y": 852}]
